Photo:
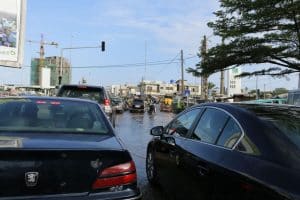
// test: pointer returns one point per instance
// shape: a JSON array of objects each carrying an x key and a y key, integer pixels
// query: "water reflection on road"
[{"x": 134, "y": 130}]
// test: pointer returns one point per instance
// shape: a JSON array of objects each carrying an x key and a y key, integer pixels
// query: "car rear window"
[
  {"x": 286, "y": 119},
  {"x": 138, "y": 101},
  {"x": 83, "y": 92},
  {"x": 63, "y": 116}
]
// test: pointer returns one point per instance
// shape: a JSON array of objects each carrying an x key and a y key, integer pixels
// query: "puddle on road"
[{"x": 134, "y": 131}]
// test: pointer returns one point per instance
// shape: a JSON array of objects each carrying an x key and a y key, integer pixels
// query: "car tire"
[{"x": 151, "y": 169}]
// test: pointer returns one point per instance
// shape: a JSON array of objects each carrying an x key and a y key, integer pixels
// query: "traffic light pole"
[{"x": 102, "y": 46}]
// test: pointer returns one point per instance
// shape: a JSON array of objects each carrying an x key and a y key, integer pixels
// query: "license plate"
[{"x": 137, "y": 106}]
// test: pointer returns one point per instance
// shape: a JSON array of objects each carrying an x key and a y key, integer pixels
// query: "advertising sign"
[
  {"x": 45, "y": 77},
  {"x": 12, "y": 27}
]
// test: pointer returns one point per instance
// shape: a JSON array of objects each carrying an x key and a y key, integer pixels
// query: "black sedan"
[
  {"x": 228, "y": 151},
  {"x": 60, "y": 148},
  {"x": 138, "y": 105}
]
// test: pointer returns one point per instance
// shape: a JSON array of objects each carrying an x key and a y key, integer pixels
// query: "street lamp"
[{"x": 102, "y": 46}]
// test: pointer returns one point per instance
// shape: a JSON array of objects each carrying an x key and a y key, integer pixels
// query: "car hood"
[{"x": 59, "y": 141}]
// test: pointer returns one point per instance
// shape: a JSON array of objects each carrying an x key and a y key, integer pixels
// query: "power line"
[{"x": 129, "y": 65}]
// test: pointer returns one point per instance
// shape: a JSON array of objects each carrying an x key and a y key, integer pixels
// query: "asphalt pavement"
[{"x": 134, "y": 131}]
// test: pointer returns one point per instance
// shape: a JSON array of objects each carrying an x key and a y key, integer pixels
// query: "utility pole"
[
  {"x": 256, "y": 89},
  {"x": 182, "y": 73},
  {"x": 204, "y": 84},
  {"x": 42, "y": 54},
  {"x": 222, "y": 92},
  {"x": 299, "y": 82},
  {"x": 143, "y": 85},
  {"x": 264, "y": 91},
  {"x": 222, "y": 83}
]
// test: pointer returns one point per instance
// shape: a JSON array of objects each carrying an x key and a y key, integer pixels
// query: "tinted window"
[
  {"x": 95, "y": 94},
  {"x": 210, "y": 125},
  {"x": 230, "y": 134},
  {"x": 283, "y": 118},
  {"x": 138, "y": 102},
  {"x": 183, "y": 123},
  {"x": 61, "y": 116},
  {"x": 296, "y": 99}
]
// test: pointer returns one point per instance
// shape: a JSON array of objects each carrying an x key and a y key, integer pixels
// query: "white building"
[
  {"x": 234, "y": 84},
  {"x": 168, "y": 89}
]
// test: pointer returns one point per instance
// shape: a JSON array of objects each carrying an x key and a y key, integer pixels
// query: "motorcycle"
[{"x": 151, "y": 109}]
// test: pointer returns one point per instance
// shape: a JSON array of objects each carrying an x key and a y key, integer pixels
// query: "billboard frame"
[{"x": 21, "y": 40}]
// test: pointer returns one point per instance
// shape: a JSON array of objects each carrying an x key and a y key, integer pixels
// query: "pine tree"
[{"x": 255, "y": 32}]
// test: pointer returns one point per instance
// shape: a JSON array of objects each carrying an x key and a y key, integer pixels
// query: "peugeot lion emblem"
[{"x": 31, "y": 178}]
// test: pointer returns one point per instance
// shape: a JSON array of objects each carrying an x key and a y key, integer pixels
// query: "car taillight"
[
  {"x": 117, "y": 175},
  {"x": 106, "y": 102}
]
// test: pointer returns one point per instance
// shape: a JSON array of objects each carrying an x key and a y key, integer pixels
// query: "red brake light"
[
  {"x": 117, "y": 175},
  {"x": 106, "y": 102},
  {"x": 55, "y": 103},
  {"x": 41, "y": 102}
]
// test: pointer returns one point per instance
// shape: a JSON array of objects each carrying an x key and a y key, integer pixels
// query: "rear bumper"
[
  {"x": 137, "y": 109},
  {"x": 123, "y": 195}
]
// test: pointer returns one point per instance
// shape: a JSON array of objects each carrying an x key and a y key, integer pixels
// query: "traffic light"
[{"x": 103, "y": 46}]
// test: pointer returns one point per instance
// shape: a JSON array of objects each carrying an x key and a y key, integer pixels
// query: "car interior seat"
[{"x": 80, "y": 120}]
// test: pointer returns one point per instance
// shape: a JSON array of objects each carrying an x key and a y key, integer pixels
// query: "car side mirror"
[{"x": 157, "y": 131}]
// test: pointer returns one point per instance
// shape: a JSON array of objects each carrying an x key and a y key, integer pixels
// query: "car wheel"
[{"x": 151, "y": 169}]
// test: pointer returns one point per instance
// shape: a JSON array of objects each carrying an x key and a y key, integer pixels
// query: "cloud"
[{"x": 172, "y": 25}]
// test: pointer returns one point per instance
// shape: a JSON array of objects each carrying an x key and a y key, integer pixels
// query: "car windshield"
[
  {"x": 95, "y": 94},
  {"x": 117, "y": 100},
  {"x": 285, "y": 119},
  {"x": 51, "y": 115},
  {"x": 138, "y": 101}
]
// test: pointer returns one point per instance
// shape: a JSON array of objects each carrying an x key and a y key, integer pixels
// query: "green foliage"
[
  {"x": 211, "y": 85},
  {"x": 255, "y": 32},
  {"x": 278, "y": 91}
]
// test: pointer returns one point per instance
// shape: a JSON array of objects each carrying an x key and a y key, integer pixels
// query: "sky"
[{"x": 135, "y": 31}]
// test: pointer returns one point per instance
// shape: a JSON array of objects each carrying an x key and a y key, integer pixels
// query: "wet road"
[{"x": 134, "y": 130}]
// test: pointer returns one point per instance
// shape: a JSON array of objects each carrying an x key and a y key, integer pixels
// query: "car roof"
[
  {"x": 49, "y": 98},
  {"x": 242, "y": 105},
  {"x": 82, "y": 85},
  {"x": 255, "y": 128}
]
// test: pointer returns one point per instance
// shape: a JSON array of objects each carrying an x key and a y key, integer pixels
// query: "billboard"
[
  {"x": 45, "y": 77},
  {"x": 12, "y": 30}
]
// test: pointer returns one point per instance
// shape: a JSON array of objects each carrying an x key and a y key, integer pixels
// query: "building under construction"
[{"x": 53, "y": 63}]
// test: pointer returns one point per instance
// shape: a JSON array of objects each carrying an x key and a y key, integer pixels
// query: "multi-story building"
[
  {"x": 155, "y": 88},
  {"x": 168, "y": 89},
  {"x": 54, "y": 64},
  {"x": 234, "y": 83},
  {"x": 124, "y": 90},
  {"x": 150, "y": 87},
  {"x": 194, "y": 89}
]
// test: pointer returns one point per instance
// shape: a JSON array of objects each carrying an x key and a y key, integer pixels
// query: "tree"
[
  {"x": 211, "y": 85},
  {"x": 256, "y": 32},
  {"x": 278, "y": 91},
  {"x": 204, "y": 77}
]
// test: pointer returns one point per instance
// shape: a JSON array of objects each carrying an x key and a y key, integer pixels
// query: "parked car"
[
  {"x": 137, "y": 105},
  {"x": 95, "y": 93},
  {"x": 118, "y": 104},
  {"x": 61, "y": 148},
  {"x": 228, "y": 151},
  {"x": 294, "y": 97}
]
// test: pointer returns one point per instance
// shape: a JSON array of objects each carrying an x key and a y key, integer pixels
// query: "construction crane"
[{"x": 42, "y": 54}]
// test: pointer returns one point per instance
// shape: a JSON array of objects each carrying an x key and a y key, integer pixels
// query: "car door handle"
[{"x": 202, "y": 171}]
